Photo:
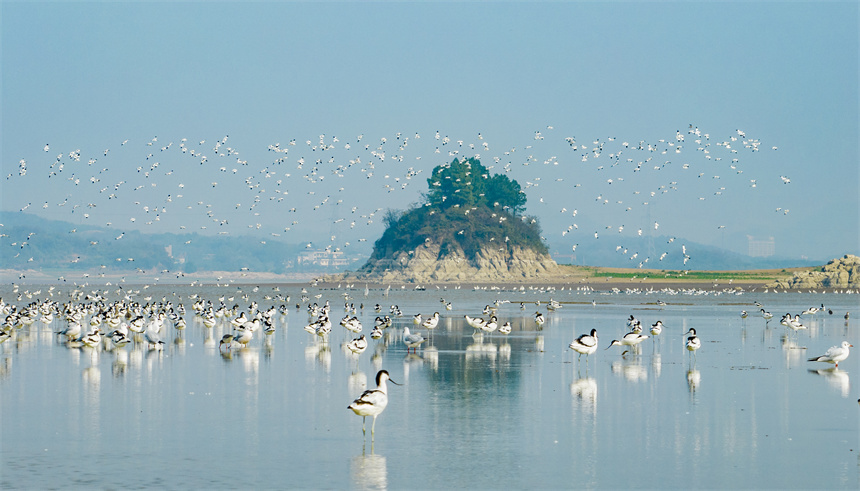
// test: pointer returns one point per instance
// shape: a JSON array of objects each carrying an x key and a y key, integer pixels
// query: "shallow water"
[{"x": 491, "y": 411}]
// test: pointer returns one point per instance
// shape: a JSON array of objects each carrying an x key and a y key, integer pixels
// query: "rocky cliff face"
[
  {"x": 430, "y": 262},
  {"x": 838, "y": 273}
]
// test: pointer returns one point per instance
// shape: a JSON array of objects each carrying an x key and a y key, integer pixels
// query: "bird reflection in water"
[
  {"x": 479, "y": 349},
  {"x": 268, "y": 347},
  {"x": 794, "y": 353},
  {"x": 657, "y": 364},
  {"x": 539, "y": 343},
  {"x": 320, "y": 351},
  {"x": 694, "y": 378},
  {"x": 5, "y": 367},
  {"x": 368, "y": 471},
  {"x": 357, "y": 383},
  {"x": 431, "y": 357},
  {"x": 376, "y": 359},
  {"x": 505, "y": 351},
  {"x": 120, "y": 363},
  {"x": 631, "y": 369},
  {"x": 838, "y": 379},
  {"x": 584, "y": 390}
]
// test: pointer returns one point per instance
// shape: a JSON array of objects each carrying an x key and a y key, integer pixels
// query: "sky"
[{"x": 304, "y": 122}]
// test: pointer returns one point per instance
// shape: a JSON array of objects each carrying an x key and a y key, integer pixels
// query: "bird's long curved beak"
[{"x": 393, "y": 382}]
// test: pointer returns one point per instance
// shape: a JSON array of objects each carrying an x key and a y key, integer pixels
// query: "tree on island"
[
  {"x": 464, "y": 208},
  {"x": 467, "y": 183}
]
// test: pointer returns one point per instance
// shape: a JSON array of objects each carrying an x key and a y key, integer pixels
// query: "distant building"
[
  {"x": 325, "y": 259},
  {"x": 761, "y": 247}
]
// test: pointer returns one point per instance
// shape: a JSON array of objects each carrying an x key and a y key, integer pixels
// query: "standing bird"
[
  {"x": 835, "y": 354},
  {"x": 226, "y": 340},
  {"x": 693, "y": 342},
  {"x": 657, "y": 328},
  {"x": 372, "y": 402},
  {"x": 585, "y": 344},
  {"x": 431, "y": 322},
  {"x": 539, "y": 319},
  {"x": 412, "y": 341}
]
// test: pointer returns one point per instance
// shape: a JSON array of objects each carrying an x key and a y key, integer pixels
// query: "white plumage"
[
  {"x": 835, "y": 354},
  {"x": 372, "y": 401}
]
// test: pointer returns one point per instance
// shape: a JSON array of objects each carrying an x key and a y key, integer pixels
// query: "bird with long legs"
[
  {"x": 372, "y": 401},
  {"x": 585, "y": 344},
  {"x": 631, "y": 339},
  {"x": 693, "y": 342}
]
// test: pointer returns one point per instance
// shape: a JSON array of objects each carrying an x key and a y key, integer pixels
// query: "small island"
[{"x": 470, "y": 225}]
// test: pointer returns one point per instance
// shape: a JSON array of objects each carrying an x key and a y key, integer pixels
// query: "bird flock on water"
[{"x": 137, "y": 322}]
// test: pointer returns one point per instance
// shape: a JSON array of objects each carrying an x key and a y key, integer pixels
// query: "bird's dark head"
[{"x": 383, "y": 375}]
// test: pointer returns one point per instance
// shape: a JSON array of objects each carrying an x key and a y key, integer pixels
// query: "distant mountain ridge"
[
  {"x": 31, "y": 242},
  {"x": 63, "y": 245},
  {"x": 637, "y": 249}
]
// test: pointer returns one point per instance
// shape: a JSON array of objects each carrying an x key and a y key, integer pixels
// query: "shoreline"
[{"x": 571, "y": 277}]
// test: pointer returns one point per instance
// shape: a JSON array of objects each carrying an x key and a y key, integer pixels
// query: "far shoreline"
[{"x": 599, "y": 279}]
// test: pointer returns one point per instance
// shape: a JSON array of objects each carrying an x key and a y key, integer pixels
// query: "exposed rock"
[
  {"x": 429, "y": 263},
  {"x": 838, "y": 273}
]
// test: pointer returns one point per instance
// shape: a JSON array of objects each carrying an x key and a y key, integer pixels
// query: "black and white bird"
[
  {"x": 372, "y": 401},
  {"x": 585, "y": 344},
  {"x": 693, "y": 342}
]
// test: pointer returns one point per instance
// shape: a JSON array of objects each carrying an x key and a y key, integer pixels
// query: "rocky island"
[
  {"x": 842, "y": 272},
  {"x": 469, "y": 227}
]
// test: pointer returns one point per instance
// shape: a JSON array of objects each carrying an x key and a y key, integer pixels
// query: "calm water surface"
[{"x": 491, "y": 411}]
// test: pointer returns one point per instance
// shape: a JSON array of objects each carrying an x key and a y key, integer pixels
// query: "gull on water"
[
  {"x": 835, "y": 354},
  {"x": 412, "y": 341}
]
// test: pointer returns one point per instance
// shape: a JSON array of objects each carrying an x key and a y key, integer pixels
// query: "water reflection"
[
  {"x": 694, "y": 378},
  {"x": 631, "y": 369},
  {"x": 369, "y": 471},
  {"x": 356, "y": 384},
  {"x": 479, "y": 349},
  {"x": 431, "y": 357},
  {"x": 657, "y": 364},
  {"x": 120, "y": 362},
  {"x": 794, "y": 352},
  {"x": 466, "y": 388},
  {"x": 320, "y": 352},
  {"x": 584, "y": 390},
  {"x": 6, "y": 367},
  {"x": 837, "y": 379}
]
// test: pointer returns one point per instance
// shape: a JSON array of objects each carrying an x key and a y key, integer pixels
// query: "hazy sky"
[{"x": 170, "y": 117}]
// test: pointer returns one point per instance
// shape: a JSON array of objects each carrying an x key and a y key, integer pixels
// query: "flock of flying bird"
[
  {"x": 92, "y": 321},
  {"x": 309, "y": 189}
]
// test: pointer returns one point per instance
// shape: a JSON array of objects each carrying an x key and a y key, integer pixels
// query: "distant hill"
[
  {"x": 637, "y": 249},
  {"x": 31, "y": 242}
]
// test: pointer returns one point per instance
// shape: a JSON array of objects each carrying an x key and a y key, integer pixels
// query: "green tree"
[{"x": 468, "y": 183}]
